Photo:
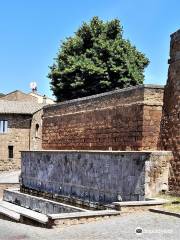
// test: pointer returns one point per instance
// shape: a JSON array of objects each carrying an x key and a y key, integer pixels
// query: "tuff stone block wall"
[
  {"x": 126, "y": 119},
  {"x": 95, "y": 176},
  {"x": 170, "y": 128},
  {"x": 17, "y": 136}
]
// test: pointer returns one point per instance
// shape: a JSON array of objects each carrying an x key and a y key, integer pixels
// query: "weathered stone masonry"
[
  {"x": 36, "y": 131},
  {"x": 95, "y": 176},
  {"x": 126, "y": 119},
  {"x": 17, "y": 136},
  {"x": 129, "y": 119},
  {"x": 170, "y": 128}
]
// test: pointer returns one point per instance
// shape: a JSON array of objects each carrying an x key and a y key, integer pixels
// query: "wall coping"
[
  {"x": 99, "y": 151},
  {"x": 142, "y": 86}
]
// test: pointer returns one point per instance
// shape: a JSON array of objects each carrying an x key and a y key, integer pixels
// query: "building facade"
[
  {"x": 20, "y": 127},
  {"x": 15, "y": 129},
  {"x": 32, "y": 96}
]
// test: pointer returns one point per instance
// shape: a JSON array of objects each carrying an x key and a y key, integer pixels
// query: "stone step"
[
  {"x": 9, "y": 213},
  {"x": 153, "y": 201},
  {"x": 100, "y": 213},
  {"x": 39, "y": 217}
]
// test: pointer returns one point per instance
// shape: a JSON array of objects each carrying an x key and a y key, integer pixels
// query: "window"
[
  {"x": 3, "y": 126},
  {"x": 37, "y": 130},
  {"x": 10, "y": 152}
]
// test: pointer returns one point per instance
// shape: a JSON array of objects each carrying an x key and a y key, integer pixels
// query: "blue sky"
[{"x": 31, "y": 32}]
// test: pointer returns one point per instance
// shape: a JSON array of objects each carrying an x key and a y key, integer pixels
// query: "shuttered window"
[{"x": 3, "y": 126}]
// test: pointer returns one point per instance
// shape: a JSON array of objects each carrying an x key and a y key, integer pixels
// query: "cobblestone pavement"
[{"x": 154, "y": 226}]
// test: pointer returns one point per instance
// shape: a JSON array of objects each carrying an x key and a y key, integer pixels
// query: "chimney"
[{"x": 33, "y": 86}]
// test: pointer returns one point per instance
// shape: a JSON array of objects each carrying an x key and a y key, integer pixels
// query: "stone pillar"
[{"x": 170, "y": 135}]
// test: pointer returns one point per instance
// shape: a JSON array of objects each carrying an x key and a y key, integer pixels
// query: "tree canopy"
[{"x": 96, "y": 59}]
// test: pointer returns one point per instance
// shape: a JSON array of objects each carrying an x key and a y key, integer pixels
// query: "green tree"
[{"x": 95, "y": 60}]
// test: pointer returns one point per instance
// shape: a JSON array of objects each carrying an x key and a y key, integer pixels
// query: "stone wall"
[
  {"x": 127, "y": 119},
  {"x": 170, "y": 126},
  {"x": 95, "y": 176},
  {"x": 157, "y": 173},
  {"x": 36, "y": 131},
  {"x": 17, "y": 136}
]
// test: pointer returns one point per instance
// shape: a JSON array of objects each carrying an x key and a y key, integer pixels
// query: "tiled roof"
[{"x": 19, "y": 107}]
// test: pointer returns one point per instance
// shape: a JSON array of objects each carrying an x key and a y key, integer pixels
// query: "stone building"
[
  {"x": 18, "y": 96},
  {"x": 40, "y": 98},
  {"x": 32, "y": 96},
  {"x": 15, "y": 125},
  {"x": 36, "y": 131},
  {"x": 20, "y": 126}
]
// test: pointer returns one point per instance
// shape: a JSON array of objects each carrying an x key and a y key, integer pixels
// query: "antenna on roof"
[{"x": 33, "y": 86}]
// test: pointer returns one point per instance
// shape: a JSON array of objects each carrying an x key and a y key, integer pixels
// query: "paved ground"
[
  {"x": 9, "y": 177},
  {"x": 154, "y": 226}
]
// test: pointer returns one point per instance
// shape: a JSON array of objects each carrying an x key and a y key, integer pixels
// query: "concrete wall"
[
  {"x": 17, "y": 136},
  {"x": 97, "y": 176},
  {"x": 127, "y": 119},
  {"x": 170, "y": 126}
]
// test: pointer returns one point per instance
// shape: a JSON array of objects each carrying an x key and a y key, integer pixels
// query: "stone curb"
[
  {"x": 100, "y": 213},
  {"x": 153, "y": 201},
  {"x": 165, "y": 212}
]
